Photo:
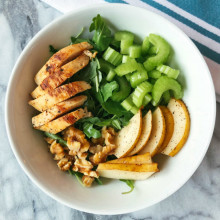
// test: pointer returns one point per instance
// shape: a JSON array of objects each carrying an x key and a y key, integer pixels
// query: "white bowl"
[{"x": 31, "y": 150}]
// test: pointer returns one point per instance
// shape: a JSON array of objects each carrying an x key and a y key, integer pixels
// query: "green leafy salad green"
[{"x": 125, "y": 75}]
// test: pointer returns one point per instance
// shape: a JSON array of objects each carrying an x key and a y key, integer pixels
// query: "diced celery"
[
  {"x": 147, "y": 98},
  {"x": 112, "y": 56},
  {"x": 128, "y": 76},
  {"x": 166, "y": 97},
  {"x": 140, "y": 92},
  {"x": 134, "y": 110},
  {"x": 126, "y": 68},
  {"x": 128, "y": 103},
  {"x": 139, "y": 76},
  {"x": 162, "y": 54},
  {"x": 154, "y": 103},
  {"x": 145, "y": 46},
  {"x": 135, "y": 51},
  {"x": 105, "y": 66},
  {"x": 125, "y": 58},
  {"x": 153, "y": 50},
  {"x": 111, "y": 74},
  {"x": 170, "y": 72},
  {"x": 155, "y": 74},
  {"x": 126, "y": 38},
  {"x": 124, "y": 89},
  {"x": 163, "y": 84}
]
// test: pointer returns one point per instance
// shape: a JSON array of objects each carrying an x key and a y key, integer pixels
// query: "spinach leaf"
[
  {"x": 52, "y": 50},
  {"x": 108, "y": 89},
  {"x": 130, "y": 183},
  {"x": 102, "y": 36}
]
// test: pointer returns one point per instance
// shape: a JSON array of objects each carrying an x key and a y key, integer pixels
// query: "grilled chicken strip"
[
  {"x": 60, "y": 58},
  {"x": 60, "y": 75},
  {"x": 57, "y": 110},
  {"x": 63, "y": 122},
  {"x": 58, "y": 95}
]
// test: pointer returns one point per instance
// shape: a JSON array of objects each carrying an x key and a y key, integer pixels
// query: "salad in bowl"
[{"x": 109, "y": 104}]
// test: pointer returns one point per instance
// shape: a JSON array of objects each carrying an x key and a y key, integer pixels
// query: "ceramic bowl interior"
[{"x": 31, "y": 150}]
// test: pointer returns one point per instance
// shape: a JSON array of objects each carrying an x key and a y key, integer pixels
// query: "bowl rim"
[{"x": 13, "y": 144}]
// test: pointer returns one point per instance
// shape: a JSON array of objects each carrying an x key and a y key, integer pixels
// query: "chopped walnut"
[
  {"x": 92, "y": 173},
  {"x": 109, "y": 135},
  {"x": 74, "y": 146},
  {"x": 102, "y": 155},
  {"x": 57, "y": 150},
  {"x": 82, "y": 165},
  {"x": 87, "y": 180},
  {"x": 64, "y": 164},
  {"x": 95, "y": 149},
  {"x": 81, "y": 155},
  {"x": 98, "y": 140},
  {"x": 74, "y": 138}
]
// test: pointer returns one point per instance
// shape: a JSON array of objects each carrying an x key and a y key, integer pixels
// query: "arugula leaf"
[
  {"x": 102, "y": 36},
  {"x": 90, "y": 131},
  {"x": 57, "y": 138},
  {"x": 114, "y": 108},
  {"x": 74, "y": 39},
  {"x": 77, "y": 175},
  {"x": 90, "y": 103},
  {"x": 126, "y": 118},
  {"x": 115, "y": 44},
  {"x": 108, "y": 89},
  {"x": 95, "y": 74},
  {"x": 98, "y": 181},
  {"x": 130, "y": 183},
  {"x": 93, "y": 120},
  {"x": 116, "y": 124},
  {"x": 52, "y": 50}
]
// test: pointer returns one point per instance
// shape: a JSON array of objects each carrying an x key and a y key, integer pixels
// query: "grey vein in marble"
[{"x": 198, "y": 199}]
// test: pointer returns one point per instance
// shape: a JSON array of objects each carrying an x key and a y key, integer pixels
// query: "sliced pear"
[
  {"x": 57, "y": 110},
  {"x": 181, "y": 127},
  {"x": 63, "y": 122},
  {"x": 138, "y": 159},
  {"x": 157, "y": 133},
  {"x": 60, "y": 58},
  {"x": 145, "y": 133},
  {"x": 169, "y": 127},
  {"x": 121, "y": 174},
  {"x": 128, "y": 136},
  {"x": 58, "y": 95},
  {"x": 61, "y": 75},
  {"x": 127, "y": 171}
]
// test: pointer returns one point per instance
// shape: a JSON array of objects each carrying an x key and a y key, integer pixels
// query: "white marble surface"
[{"x": 198, "y": 199}]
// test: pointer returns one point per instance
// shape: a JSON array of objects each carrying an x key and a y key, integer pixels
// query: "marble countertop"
[{"x": 199, "y": 198}]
